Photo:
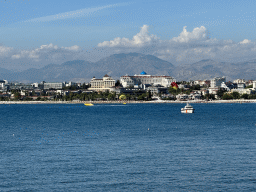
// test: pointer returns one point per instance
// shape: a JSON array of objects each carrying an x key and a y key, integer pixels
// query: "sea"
[{"x": 132, "y": 147}]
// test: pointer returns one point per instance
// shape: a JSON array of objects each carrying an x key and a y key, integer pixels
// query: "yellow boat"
[
  {"x": 88, "y": 104},
  {"x": 124, "y": 103}
]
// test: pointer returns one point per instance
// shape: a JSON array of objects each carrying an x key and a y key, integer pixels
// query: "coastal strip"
[{"x": 129, "y": 102}]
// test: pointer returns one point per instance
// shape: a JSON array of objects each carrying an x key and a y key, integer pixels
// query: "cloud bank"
[
  {"x": 187, "y": 47},
  {"x": 47, "y": 52},
  {"x": 38, "y": 57}
]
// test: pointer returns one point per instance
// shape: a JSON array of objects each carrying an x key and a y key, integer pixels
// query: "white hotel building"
[
  {"x": 143, "y": 79},
  {"x": 102, "y": 84}
]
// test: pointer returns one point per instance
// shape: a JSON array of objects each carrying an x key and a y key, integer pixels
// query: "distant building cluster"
[{"x": 159, "y": 86}]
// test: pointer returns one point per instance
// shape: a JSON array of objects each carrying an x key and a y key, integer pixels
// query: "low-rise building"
[
  {"x": 213, "y": 90},
  {"x": 182, "y": 97},
  {"x": 184, "y": 86},
  {"x": 157, "y": 89},
  {"x": 203, "y": 91},
  {"x": 243, "y": 91},
  {"x": 19, "y": 86}
]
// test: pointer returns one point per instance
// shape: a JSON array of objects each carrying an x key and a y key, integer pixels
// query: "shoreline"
[{"x": 128, "y": 102}]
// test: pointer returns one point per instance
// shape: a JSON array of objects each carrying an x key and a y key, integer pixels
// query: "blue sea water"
[{"x": 133, "y": 147}]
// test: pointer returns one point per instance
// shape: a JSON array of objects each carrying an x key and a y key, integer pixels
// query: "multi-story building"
[
  {"x": 69, "y": 84},
  {"x": 19, "y": 86},
  {"x": 216, "y": 81},
  {"x": 103, "y": 84},
  {"x": 143, "y": 78},
  {"x": 240, "y": 85},
  {"x": 53, "y": 85},
  {"x": 228, "y": 86},
  {"x": 254, "y": 85},
  {"x": 239, "y": 81},
  {"x": 2, "y": 83}
]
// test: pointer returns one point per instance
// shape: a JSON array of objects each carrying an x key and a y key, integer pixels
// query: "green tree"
[
  {"x": 111, "y": 96},
  {"x": 33, "y": 93},
  {"x": 209, "y": 96},
  {"x": 195, "y": 87},
  {"x": 117, "y": 83},
  {"x": 221, "y": 92},
  {"x": 128, "y": 96},
  {"x": 17, "y": 96},
  {"x": 27, "y": 99},
  {"x": 249, "y": 86},
  {"x": 149, "y": 95},
  {"x": 84, "y": 86},
  {"x": 252, "y": 96},
  {"x": 174, "y": 91},
  {"x": 236, "y": 95},
  {"x": 227, "y": 96},
  {"x": 245, "y": 96},
  {"x": 142, "y": 97}
]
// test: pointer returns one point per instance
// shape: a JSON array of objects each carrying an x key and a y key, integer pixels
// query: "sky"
[{"x": 35, "y": 33}]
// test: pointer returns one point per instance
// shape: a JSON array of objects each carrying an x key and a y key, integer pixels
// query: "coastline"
[{"x": 128, "y": 102}]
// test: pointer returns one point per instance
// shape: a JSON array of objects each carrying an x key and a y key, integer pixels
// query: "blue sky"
[{"x": 83, "y": 26}]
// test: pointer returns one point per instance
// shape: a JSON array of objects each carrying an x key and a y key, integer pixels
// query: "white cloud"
[
  {"x": 140, "y": 39},
  {"x": 72, "y": 48},
  {"x": 245, "y": 41},
  {"x": 198, "y": 34},
  {"x": 187, "y": 47},
  {"x": 4, "y": 51},
  {"x": 48, "y": 52}
]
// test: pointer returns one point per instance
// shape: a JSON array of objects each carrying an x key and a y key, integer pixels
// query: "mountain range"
[{"x": 118, "y": 65}]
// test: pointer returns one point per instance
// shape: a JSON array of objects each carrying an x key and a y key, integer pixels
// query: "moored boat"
[{"x": 187, "y": 109}]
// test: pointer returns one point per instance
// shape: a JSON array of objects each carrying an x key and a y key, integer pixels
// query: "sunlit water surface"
[{"x": 133, "y": 147}]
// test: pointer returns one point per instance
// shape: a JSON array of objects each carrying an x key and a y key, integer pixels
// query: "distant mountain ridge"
[
  {"x": 2, "y": 70},
  {"x": 121, "y": 64}
]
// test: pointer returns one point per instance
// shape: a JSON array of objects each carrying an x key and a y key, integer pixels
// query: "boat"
[
  {"x": 187, "y": 109},
  {"x": 88, "y": 104}
]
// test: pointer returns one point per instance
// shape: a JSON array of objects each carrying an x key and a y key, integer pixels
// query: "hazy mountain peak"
[{"x": 118, "y": 65}]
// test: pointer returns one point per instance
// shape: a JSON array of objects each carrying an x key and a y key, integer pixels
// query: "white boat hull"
[{"x": 187, "y": 110}]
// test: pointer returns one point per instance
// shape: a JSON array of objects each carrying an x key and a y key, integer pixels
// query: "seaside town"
[{"x": 141, "y": 87}]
